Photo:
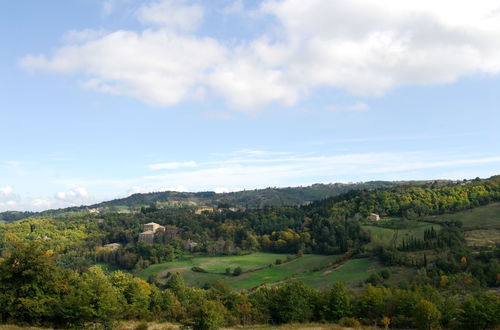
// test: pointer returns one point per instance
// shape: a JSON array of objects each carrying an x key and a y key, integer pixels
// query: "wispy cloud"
[
  {"x": 255, "y": 168},
  {"x": 359, "y": 106},
  {"x": 171, "y": 165}
]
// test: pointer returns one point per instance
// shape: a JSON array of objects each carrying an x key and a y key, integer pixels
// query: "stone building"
[
  {"x": 373, "y": 217},
  {"x": 148, "y": 235},
  {"x": 202, "y": 209},
  {"x": 112, "y": 246}
]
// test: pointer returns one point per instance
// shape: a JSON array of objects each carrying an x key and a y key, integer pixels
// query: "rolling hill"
[{"x": 247, "y": 198}]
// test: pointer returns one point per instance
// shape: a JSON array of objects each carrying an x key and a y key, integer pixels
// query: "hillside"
[
  {"x": 256, "y": 265},
  {"x": 247, "y": 198}
]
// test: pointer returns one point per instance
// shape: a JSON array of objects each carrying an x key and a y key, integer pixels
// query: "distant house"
[
  {"x": 153, "y": 226},
  {"x": 148, "y": 235},
  {"x": 373, "y": 217},
  {"x": 94, "y": 210},
  {"x": 204, "y": 209},
  {"x": 112, "y": 246},
  {"x": 189, "y": 245}
]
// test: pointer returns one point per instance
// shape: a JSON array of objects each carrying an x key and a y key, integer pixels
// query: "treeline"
[
  {"x": 36, "y": 291},
  {"x": 412, "y": 202}
]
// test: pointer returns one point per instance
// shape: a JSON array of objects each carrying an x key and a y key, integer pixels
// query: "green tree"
[
  {"x": 206, "y": 315},
  {"x": 31, "y": 285},
  {"x": 97, "y": 299},
  {"x": 481, "y": 311},
  {"x": 426, "y": 315},
  {"x": 338, "y": 302}
]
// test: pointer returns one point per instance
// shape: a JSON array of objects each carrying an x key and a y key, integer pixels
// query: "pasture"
[
  {"x": 258, "y": 268},
  {"x": 483, "y": 217},
  {"x": 393, "y": 232},
  {"x": 351, "y": 273}
]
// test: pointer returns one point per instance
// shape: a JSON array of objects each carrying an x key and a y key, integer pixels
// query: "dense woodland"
[{"x": 48, "y": 271}]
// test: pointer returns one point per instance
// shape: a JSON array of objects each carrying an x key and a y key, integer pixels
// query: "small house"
[{"x": 373, "y": 217}]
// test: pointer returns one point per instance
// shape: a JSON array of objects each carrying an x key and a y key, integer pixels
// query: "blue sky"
[{"x": 101, "y": 99}]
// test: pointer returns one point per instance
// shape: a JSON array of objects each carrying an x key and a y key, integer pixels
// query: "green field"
[
  {"x": 483, "y": 217},
  {"x": 317, "y": 271},
  {"x": 255, "y": 267},
  {"x": 388, "y": 236},
  {"x": 351, "y": 272},
  {"x": 281, "y": 272},
  {"x": 215, "y": 266}
]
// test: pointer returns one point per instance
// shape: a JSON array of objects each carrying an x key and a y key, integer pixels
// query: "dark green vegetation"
[{"x": 416, "y": 268}]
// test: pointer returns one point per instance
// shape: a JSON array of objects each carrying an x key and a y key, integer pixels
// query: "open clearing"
[
  {"x": 280, "y": 272},
  {"x": 483, "y": 217},
  {"x": 317, "y": 271},
  {"x": 388, "y": 236},
  {"x": 351, "y": 273},
  {"x": 215, "y": 267}
]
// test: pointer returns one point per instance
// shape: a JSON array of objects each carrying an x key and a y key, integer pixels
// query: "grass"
[
  {"x": 280, "y": 272},
  {"x": 350, "y": 273},
  {"x": 389, "y": 236},
  {"x": 314, "y": 270},
  {"x": 482, "y": 237},
  {"x": 255, "y": 266},
  {"x": 483, "y": 217},
  {"x": 215, "y": 266}
]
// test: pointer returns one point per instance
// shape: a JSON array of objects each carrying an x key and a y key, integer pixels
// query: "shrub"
[
  {"x": 237, "y": 271},
  {"x": 198, "y": 270},
  {"x": 349, "y": 322}
]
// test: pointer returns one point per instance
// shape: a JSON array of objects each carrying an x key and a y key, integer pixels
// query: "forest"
[{"x": 58, "y": 272}]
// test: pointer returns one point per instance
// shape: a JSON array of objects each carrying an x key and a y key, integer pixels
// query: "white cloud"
[
  {"x": 172, "y": 165},
  {"x": 254, "y": 168},
  {"x": 158, "y": 67},
  {"x": 296, "y": 169},
  {"x": 172, "y": 14},
  {"x": 75, "y": 196},
  {"x": 366, "y": 47},
  {"x": 6, "y": 191}
]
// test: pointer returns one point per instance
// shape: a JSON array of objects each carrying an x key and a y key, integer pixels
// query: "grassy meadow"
[
  {"x": 483, "y": 217},
  {"x": 395, "y": 230},
  {"x": 259, "y": 268}
]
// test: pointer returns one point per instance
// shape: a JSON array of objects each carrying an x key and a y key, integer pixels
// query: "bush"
[
  {"x": 350, "y": 322},
  {"x": 386, "y": 273},
  {"x": 198, "y": 270},
  {"x": 237, "y": 271}
]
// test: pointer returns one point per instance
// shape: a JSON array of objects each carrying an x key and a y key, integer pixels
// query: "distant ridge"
[{"x": 256, "y": 198}]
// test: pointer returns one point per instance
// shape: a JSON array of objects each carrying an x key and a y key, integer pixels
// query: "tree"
[
  {"x": 206, "y": 315},
  {"x": 481, "y": 311},
  {"x": 31, "y": 285},
  {"x": 338, "y": 303},
  {"x": 426, "y": 315}
]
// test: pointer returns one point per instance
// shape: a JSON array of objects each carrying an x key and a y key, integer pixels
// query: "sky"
[{"x": 100, "y": 99}]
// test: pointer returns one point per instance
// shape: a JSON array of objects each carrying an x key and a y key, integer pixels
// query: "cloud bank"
[{"x": 365, "y": 47}]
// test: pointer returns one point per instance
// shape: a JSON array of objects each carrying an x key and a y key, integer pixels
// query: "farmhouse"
[
  {"x": 204, "y": 209},
  {"x": 112, "y": 246},
  {"x": 148, "y": 235},
  {"x": 373, "y": 217}
]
